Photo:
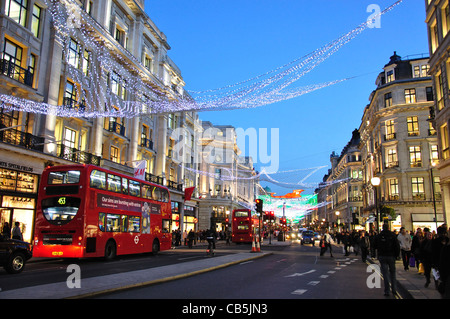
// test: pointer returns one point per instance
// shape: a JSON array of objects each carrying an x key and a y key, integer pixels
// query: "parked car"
[
  {"x": 308, "y": 237},
  {"x": 14, "y": 254}
]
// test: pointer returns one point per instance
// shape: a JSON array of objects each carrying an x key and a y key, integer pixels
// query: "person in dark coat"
[
  {"x": 388, "y": 248},
  {"x": 444, "y": 271},
  {"x": 426, "y": 255},
  {"x": 364, "y": 244}
]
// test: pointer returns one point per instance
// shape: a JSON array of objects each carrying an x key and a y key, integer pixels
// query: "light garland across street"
[{"x": 151, "y": 96}]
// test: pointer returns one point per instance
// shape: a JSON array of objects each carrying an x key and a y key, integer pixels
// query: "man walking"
[
  {"x": 405, "y": 242},
  {"x": 388, "y": 249}
]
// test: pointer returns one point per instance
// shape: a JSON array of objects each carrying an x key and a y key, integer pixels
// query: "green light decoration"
[{"x": 294, "y": 208}]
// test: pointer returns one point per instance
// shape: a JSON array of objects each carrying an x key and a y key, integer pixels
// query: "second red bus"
[{"x": 244, "y": 226}]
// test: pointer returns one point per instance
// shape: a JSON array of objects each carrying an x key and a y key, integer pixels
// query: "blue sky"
[{"x": 217, "y": 43}]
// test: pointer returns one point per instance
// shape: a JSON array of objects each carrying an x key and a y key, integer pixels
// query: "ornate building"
[
  {"x": 438, "y": 23},
  {"x": 112, "y": 51},
  {"x": 399, "y": 147},
  {"x": 227, "y": 179}
]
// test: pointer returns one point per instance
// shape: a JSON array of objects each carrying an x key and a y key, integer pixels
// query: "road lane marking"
[
  {"x": 301, "y": 274},
  {"x": 299, "y": 292}
]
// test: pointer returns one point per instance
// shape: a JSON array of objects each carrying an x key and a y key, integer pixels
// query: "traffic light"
[
  {"x": 271, "y": 215},
  {"x": 259, "y": 206}
]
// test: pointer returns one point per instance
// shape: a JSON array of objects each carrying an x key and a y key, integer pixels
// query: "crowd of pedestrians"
[
  {"x": 425, "y": 250},
  {"x": 193, "y": 237}
]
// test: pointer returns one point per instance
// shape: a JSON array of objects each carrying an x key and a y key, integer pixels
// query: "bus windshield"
[{"x": 60, "y": 210}]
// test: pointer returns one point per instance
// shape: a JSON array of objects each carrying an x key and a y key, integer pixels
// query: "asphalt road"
[{"x": 292, "y": 272}]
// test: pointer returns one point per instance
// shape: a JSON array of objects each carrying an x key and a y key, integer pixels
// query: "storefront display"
[{"x": 18, "y": 200}]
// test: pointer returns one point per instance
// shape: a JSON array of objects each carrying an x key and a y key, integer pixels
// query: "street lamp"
[
  {"x": 375, "y": 181},
  {"x": 337, "y": 219}
]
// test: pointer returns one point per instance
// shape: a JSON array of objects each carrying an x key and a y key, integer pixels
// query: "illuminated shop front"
[
  {"x": 189, "y": 217},
  {"x": 18, "y": 198}
]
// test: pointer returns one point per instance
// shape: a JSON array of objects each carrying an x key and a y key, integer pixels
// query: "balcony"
[
  {"x": 72, "y": 104},
  {"x": 19, "y": 138},
  {"x": 388, "y": 137},
  {"x": 392, "y": 164},
  {"x": 77, "y": 156},
  {"x": 16, "y": 72},
  {"x": 154, "y": 179},
  {"x": 175, "y": 186},
  {"x": 116, "y": 128},
  {"x": 145, "y": 142},
  {"x": 418, "y": 196},
  {"x": 415, "y": 164}
]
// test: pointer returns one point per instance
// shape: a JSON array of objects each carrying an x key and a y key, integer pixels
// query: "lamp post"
[
  {"x": 375, "y": 181},
  {"x": 433, "y": 164},
  {"x": 337, "y": 220}
]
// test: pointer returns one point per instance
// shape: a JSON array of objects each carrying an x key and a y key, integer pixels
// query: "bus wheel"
[
  {"x": 110, "y": 250},
  {"x": 155, "y": 247}
]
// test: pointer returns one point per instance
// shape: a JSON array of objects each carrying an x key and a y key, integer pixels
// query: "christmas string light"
[{"x": 111, "y": 78}]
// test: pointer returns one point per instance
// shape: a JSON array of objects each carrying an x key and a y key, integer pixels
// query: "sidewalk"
[{"x": 414, "y": 283}]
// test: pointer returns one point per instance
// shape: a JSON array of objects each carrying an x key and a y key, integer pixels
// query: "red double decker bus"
[
  {"x": 88, "y": 211},
  {"x": 244, "y": 226}
]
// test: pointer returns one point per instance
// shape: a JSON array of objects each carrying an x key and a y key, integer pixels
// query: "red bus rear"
[
  {"x": 243, "y": 226},
  {"x": 88, "y": 211}
]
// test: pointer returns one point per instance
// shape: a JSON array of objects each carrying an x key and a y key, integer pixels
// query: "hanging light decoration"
[{"x": 110, "y": 61}]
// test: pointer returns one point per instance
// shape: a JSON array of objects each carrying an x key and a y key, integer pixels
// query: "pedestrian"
[
  {"x": 16, "y": 232},
  {"x": 346, "y": 242},
  {"x": 228, "y": 237},
  {"x": 327, "y": 241},
  {"x": 444, "y": 271},
  {"x": 388, "y": 248},
  {"x": 437, "y": 244},
  {"x": 415, "y": 247},
  {"x": 372, "y": 236},
  {"x": 364, "y": 245},
  {"x": 426, "y": 255},
  {"x": 405, "y": 242},
  {"x": 190, "y": 238},
  {"x": 6, "y": 231}
]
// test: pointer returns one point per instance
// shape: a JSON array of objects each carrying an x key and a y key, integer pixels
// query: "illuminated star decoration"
[{"x": 109, "y": 62}]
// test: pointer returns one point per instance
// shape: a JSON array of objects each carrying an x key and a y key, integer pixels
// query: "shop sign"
[{"x": 18, "y": 202}]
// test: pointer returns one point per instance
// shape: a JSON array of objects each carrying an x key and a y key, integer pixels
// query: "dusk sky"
[{"x": 217, "y": 43}]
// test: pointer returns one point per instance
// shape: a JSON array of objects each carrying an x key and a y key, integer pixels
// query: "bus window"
[
  {"x": 134, "y": 224},
  {"x": 124, "y": 185},
  {"x": 113, "y": 223},
  {"x": 65, "y": 177},
  {"x": 98, "y": 179},
  {"x": 146, "y": 191},
  {"x": 101, "y": 221},
  {"x": 156, "y": 194},
  {"x": 114, "y": 183},
  {"x": 164, "y": 195},
  {"x": 241, "y": 214},
  {"x": 166, "y": 225},
  {"x": 134, "y": 188},
  {"x": 124, "y": 223}
]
